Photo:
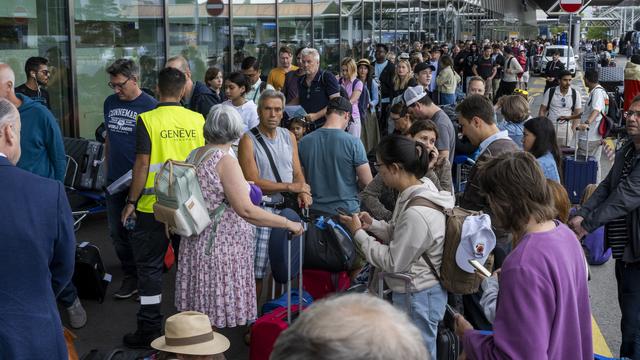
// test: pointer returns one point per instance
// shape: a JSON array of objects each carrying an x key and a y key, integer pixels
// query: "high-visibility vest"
[{"x": 174, "y": 132}]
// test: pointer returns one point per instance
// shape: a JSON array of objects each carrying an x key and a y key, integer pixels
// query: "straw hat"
[{"x": 189, "y": 333}]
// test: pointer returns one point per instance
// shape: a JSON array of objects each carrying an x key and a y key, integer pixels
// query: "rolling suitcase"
[
  {"x": 579, "y": 173},
  {"x": 321, "y": 283},
  {"x": 75, "y": 150},
  {"x": 89, "y": 276},
  {"x": 85, "y": 168},
  {"x": 268, "y": 327},
  {"x": 94, "y": 176}
]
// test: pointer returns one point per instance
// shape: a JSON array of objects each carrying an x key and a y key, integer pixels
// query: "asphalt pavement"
[{"x": 110, "y": 320}]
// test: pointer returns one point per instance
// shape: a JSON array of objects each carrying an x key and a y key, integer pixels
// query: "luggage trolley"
[{"x": 83, "y": 202}]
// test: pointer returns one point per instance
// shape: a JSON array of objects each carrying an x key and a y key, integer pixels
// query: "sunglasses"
[{"x": 563, "y": 101}]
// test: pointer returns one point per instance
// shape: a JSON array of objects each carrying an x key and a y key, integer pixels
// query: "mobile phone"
[
  {"x": 450, "y": 310},
  {"x": 343, "y": 211},
  {"x": 479, "y": 268}
]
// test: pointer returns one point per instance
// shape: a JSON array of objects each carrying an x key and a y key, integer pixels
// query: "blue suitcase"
[{"x": 577, "y": 174}]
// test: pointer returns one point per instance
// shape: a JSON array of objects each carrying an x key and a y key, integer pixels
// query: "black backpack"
[{"x": 574, "y": 97}]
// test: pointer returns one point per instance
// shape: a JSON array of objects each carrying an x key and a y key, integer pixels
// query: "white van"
[{"x": 547, "y": 55}]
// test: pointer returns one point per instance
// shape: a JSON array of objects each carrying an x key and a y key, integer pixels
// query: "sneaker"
[
  {"x": 77, "y": 315},
  {"x": 141, "y": 339},
  {"x": 128, "y": 288}
]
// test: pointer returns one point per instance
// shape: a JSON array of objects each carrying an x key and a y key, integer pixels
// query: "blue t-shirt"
[
  {"x": 330, "y": 158},
  {"x": 515, "y": 130},
  {"x": 549, "y": 167},
  {"x": 120, "y": 120}
]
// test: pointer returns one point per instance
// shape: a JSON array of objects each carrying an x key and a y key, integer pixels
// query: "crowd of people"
[{"x": 368, "y": 141}]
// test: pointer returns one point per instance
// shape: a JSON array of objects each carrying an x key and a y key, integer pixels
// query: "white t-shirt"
[
  {"x": 598, "y": 100},
  {"x": 558, "y": 106},
  {"x": 249, "y": 113}
]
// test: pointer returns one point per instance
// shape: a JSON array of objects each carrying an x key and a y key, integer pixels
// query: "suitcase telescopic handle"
[{"x": 575, "y": 154}]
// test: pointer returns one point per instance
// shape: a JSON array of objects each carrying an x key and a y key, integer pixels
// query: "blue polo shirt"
[{"x": 316, "y": 97}]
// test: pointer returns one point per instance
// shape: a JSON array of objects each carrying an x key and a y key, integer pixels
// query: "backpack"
[
  {"x": 179, "y": 202},
  {"x": 363, "y": 101},
  {"x": 452, "y": 278},
  {"x": 574, "y": 97},
  {"x": 328, "y": 246},
  {"x": 610, "y": 118}
]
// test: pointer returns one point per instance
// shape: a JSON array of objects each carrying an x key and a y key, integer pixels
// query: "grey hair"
[
  {"x": 8, "y": 113},
  {"x": 270, "y": 94},
  {"x": 311, "y": 52},
  {"x": 125, "y": 67},
  {"x": 7, "y": 74},
  {"x": 223, "y": 125},
  {"x": 351, "y": 327},
  {"x": 184, "y": 64}
]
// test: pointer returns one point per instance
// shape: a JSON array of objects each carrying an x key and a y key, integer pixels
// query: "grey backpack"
[{"x": 179, "y": 201}]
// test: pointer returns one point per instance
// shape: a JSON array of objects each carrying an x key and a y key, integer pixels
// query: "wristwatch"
[{"x": 132, "y": 202}]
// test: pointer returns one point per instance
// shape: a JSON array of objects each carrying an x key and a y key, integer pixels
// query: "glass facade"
[{"x": 80, "y": 42}]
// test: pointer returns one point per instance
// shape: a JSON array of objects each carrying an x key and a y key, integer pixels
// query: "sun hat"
[
  {"x": 477, "y": 240},
  {"x": 189, "y": 333},
  {"x": 413, "y": 94}
]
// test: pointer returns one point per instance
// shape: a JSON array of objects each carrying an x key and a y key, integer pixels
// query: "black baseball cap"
[
  {"x": 423, "y": 66},
  {"x": 340, "y": 103}
]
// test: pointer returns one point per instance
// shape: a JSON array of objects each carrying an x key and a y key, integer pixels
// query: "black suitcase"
[
  {"x": 447, "y": 344},
  {"x": 89, "y": 276},
  {"x": 94, "y": 175},
  {"x": 85, "y": 168},
  {"x": 76, "y": 150}
]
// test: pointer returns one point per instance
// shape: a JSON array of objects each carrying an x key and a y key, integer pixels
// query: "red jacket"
[{"x": 631, "y": 83}]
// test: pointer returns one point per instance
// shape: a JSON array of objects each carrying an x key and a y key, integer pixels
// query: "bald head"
[
  {"x": 180, "y": 63},
  {"x": 9, "y": 131}
]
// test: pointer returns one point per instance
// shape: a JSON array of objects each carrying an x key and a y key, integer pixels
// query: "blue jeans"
[
  {"x": 629, "y": 299},
  {"x": 426, "y": 309},
  {"x": 447, "y": 99}
]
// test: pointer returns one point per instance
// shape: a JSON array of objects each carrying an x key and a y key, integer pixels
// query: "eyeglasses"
[
  {"x": 631, "y": 113},
  {"x": 116, "y": 85}
]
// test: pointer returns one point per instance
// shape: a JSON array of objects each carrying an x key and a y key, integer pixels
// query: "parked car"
[{"x": 547, "y": 55}]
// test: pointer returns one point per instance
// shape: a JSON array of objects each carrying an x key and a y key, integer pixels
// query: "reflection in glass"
[
  {"x": 326, "y": 33},
  {"x": 38, "y": 28},
  {"x": 201, "y": 38},
  {"x": 254, "y": 33},
  {"x": 107, "y": 30},
  {"x": 295, "y": 23}
]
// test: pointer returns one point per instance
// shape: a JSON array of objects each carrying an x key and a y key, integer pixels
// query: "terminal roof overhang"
[{"x": 552, "y": 6}]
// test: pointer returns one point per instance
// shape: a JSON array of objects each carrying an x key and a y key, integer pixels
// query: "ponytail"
[{"x": 411, "y": 155}]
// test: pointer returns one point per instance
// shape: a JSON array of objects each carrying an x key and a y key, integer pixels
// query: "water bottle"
[{"x": 130, "y": 223}]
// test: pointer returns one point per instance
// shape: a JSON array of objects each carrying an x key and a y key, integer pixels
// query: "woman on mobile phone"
[
  {"x": 413, "y": 230},
  {"x": 544, "y": 310}
]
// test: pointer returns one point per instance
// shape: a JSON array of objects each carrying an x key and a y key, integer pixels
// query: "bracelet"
[
  {"x": 286, "y": 222},
  {"x": 132, "y": 202}
]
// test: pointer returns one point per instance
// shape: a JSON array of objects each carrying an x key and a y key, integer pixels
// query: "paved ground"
[{"x": 113, "y": 318}]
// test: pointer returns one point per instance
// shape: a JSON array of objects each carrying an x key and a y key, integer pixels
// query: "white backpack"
[{"x": 179, "y": 201}]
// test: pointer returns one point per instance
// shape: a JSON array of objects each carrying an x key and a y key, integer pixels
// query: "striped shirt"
[{"x": 617, "y": 229}]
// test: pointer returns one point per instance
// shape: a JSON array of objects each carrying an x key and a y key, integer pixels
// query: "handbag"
[
  {"x": 290, "y": 199},
  {"x": 328, "y": 246}
]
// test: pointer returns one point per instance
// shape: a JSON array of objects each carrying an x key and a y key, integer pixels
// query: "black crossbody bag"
[{"x": 290, "y": 199}]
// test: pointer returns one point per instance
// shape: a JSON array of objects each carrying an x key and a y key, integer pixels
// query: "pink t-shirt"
[{"x": 348, "y": 86}]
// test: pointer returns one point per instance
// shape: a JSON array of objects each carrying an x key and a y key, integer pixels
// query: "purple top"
[
  {"x": 543, "y": 305},
  {"x": 350, "y": 88}
]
